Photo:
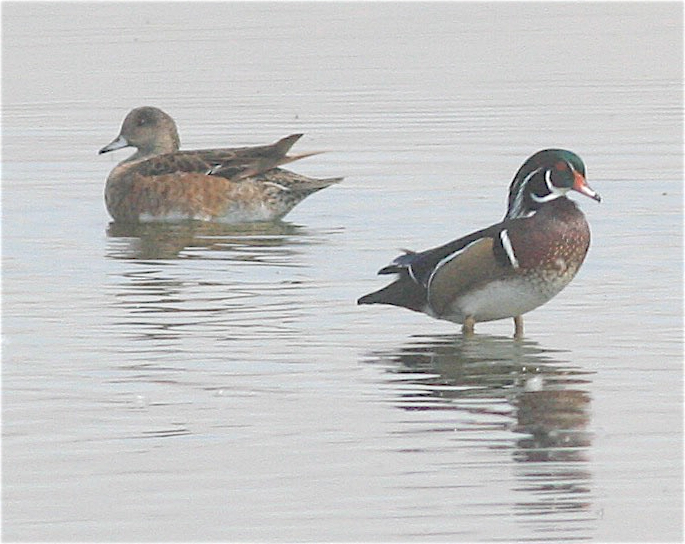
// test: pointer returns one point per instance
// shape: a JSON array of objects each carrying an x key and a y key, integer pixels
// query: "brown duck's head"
[{"x": 149, "y": 130}]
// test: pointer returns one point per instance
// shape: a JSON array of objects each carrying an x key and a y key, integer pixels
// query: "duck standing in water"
[
  {"x": 161, "y": 183},
  {"x": 506, "y": 269}
]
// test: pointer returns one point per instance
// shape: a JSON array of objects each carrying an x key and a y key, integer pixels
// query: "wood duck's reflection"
[
  {"x": 532, "y": 391},
  {"x": 147, "y": 241},
  {"x": 495, "y": 387}
]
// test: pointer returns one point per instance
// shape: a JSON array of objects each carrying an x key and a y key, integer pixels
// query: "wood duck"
[
  {"x": 508, "y": 268},
  {"x": 160, "y": 183}
]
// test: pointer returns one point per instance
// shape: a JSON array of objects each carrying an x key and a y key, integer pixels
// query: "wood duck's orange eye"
[{"x": 561, "y": 166}]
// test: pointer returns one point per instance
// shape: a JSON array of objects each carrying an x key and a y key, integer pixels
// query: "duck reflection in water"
[
  {"x": 495, "y": 386},
  {"x": 246, "y": 241}
]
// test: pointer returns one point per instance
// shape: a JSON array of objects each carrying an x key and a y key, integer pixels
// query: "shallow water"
[{"x": 203, "y": 382}]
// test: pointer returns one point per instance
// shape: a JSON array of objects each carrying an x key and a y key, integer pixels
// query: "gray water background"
[{"x": 219, "y": 383}]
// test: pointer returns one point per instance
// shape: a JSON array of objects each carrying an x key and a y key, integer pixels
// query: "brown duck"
[{"x": 161, "y": 183}]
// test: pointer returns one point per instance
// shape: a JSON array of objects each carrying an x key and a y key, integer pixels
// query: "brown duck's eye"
[{"x": 142, "y": 120}]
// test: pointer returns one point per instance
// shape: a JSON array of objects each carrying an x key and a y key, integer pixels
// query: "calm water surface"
[{"x": 203, "y": 382}]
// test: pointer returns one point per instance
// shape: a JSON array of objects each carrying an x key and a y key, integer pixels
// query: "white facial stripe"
[
  {"x": 517, "y": 207},
  {"x": 554, "y": 191},
  {"x": 506, "y": 244},
  {"x": 525, "y": 180}
]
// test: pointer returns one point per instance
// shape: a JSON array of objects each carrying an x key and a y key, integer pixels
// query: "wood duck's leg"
[
  {"x": 467, "y": 327},
  {"x": 518, "y": 327}
]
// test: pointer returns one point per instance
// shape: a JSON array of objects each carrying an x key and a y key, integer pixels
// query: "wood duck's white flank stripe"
[{"x": 506, "y": 244}]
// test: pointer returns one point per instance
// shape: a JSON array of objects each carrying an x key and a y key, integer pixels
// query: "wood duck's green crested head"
[{"x": 547, "y": 175}]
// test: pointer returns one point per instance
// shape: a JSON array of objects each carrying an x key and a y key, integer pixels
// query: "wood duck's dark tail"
[{"x": 402, "y": 292}]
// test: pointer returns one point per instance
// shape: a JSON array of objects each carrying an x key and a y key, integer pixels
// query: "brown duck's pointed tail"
[
  {"x": 273, "y": 158},
  {"x": 282, "y": 146},
  {"x": 290, "y": 158},
  {"x": 322, "y": 183}
]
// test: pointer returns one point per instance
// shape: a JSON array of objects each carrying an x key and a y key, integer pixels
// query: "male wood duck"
[
  {"x": 508, "y": 268},
  {"x": 160, "y": 183}
]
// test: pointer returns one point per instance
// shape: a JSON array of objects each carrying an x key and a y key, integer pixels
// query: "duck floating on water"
[{"x": 159, "y": 182}]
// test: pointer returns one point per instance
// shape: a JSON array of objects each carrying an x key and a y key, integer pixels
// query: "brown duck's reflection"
[
  {"x": 147, "y": 241},
  {"x": 498, "y": 386},
  {"x": 164, "y": 307}
]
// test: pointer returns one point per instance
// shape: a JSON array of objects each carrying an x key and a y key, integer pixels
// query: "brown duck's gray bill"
[{"x": 119, "y": 143}]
